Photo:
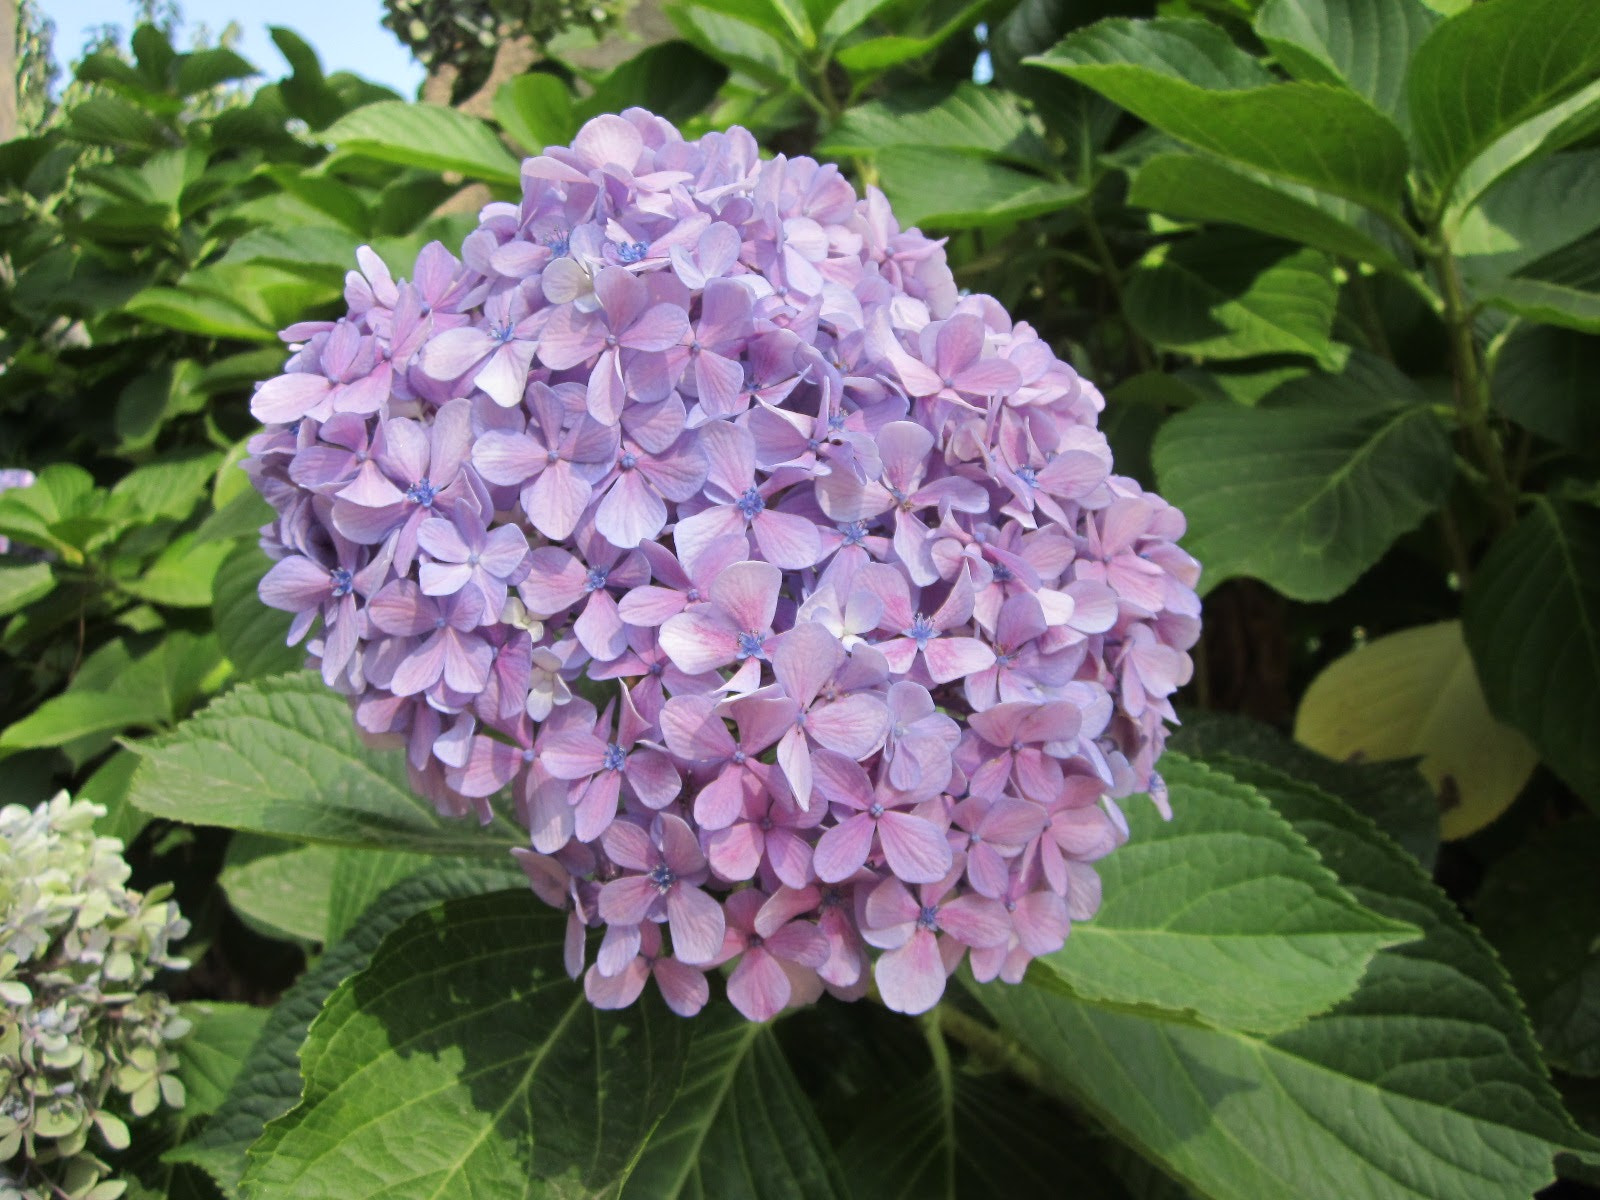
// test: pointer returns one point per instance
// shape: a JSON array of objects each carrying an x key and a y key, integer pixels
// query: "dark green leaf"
[
  {"x": 254, "y": 637},
  {"x": 282, "y": 757},
  {"x": 280, "y": 888},
  {"x": 427, "y": 136},
  {"x": 73, "y": 715},
  {"x": 1532, "y": 616},
  {"x": 1230, "y": 294},
  {"x": 981, "y": 193},
  {"x": 193, "y": 311},
  {"x": 1544, "y": 380},
  {"x": 967, "y": 120},
  {"x": 1562, "y": 288},
  {"x": 674, "y": 79},
  {"x": 1189, "y": 80},
  {"x": 1534, "y": 211},
  {"x": 22, "y": 584},
  {"x": 1308, "y": 490},
  {"x": 209, "y": 1056},
  {"x": 205, "y": 69},
  {"x": 1540, "y": 909},
  {"x": 1364, "y": 45},
  {"x": 181, "y": 577}
]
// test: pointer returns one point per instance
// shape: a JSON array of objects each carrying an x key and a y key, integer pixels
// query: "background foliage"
[{"x": 1335, "y": 265}]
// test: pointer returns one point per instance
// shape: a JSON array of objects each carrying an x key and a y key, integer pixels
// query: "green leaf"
[
  {"x": 1189, "y": 80},
  {"x": 268, "y": 1082},
  {"x": 1222, "y": 914},
  {"x": 282, "y": 757},
  {"x": 1197, "y": 188},
  {"x": 427, "y": 136},
  {"x": 108, "y": 787},
  {"x": 675, "y": 79},
  {"x": 360, "y": 877},
  {"x": 1413, "y": 694},
  {"x": 1539, "y": 908},
  {"x": 210, "y": 1055},
  {"x": 1308, "y": 490},
  {"x": 155, "y": 398},
  {"x": 319, "y": 253},
  {"x": 1231, "y": 294},
  {"x": 254, "y": 637},
  {"x": 73, "y": 715},
  {"x": 743, "y": 46},
  {"x": 1531, "y": 213},
  {"x": 967, "y": 120},
  {"x": 1544, "y": 381},
  {"x": 1423, "y": 1084},
  {"x": 1532, "y": 616},
  {"x": 169, "y": 487},
  {"x": 22, "y": 584},
  {"x": 1364, "y": 45},
  {"x": 181, "y": 576},
  {"x": 535, "y": 110},
  {"x": 874, "y": 55},
  {"x": 980, "y": 193},
  {"x": 1486, "y": 71},
  {"x": 205, "y": 69},
  {"x": 107, "y": 120},
  {"x": 1562, "y": 288},
  {"x": 465, "y": 1041},
  {"x": 278, "y": 887},
  {"x": 191, "y": 311},
  {"x": 1393, "y": 796}
]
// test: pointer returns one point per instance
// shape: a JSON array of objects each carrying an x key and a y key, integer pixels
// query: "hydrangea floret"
[
  {"x": 789, "y": 590},
  {"x": 83, "y": 1044}
]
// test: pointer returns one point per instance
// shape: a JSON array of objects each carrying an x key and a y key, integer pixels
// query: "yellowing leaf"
[{"x": 1415, "y": 694}]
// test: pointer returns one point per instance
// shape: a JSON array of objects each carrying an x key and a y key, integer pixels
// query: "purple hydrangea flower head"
[{"x": 885, "y": 635}]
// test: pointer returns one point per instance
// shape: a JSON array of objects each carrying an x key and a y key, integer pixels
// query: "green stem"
[
  {"x": 992, "y": 1048},
  {"x": 1472, "y": 391},
  {"x": 1113, "y": 278}
]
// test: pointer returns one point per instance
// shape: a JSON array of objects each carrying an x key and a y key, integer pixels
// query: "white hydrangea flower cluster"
[{"x": 81, "y": 1045}]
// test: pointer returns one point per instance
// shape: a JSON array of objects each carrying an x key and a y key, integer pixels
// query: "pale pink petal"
[
  {"x": 735, "y": 852},
  {"x": 787, "y": 540},
  {"x": 629, "y": 846},
  {"x": 951, "y": 658},
  {"x": 696, "y": 922},
  {"x": 975, "y": 920},
  {"x": 615, "y": 991},
  {"x": 631, "y": 512},
  {"x": 683, "y": 988},
  {"x": 699, "y": 641},
  {"x": 287, "y": 398},
  {"x": 454, "y": 352},
  {"x": 854, "y": 726},
  {"x": 911, "y": 979},
  {"x": 758, "y": 988},
  {"x": 916, "y": 849},
  {"x": 629, "y": 900},
  {"x": 842, "y": 850}
]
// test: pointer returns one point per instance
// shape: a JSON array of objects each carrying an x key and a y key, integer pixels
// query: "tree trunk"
[{"x": 9, "y": 17}]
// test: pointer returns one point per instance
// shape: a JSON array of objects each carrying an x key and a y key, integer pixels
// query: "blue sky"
[{"x": 346, "y": 33}]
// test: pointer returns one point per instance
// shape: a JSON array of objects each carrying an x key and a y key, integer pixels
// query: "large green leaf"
[
  {"x": 1423, "y": 1084},
  {"x": 1544, "y": 380},
  {"x": 205, "y": 313},
  {"x": 1541, "y": 910},
  {"x": 268, "y": 1081},
  {"x": 1232, "y": 294},
  {"x": 1189, "y": 80},
  {"x": 535, "y": 110},
  {"x": 966, "y": 120},
  {"x": 1539, "y": 209},
  {"x": 22, "y": 584},
  {"x": 209, "y": 1056},
  {"x": 1393, "y": 796},
  {"x": 980, "y": 193},
  {"x": 1413, "y": 694},
  {"x": 282, "y": 757},
  {"x": 1308, "y": 490},
  {"x": 1486, "y": 71},
  {"x": 1532, "y": 616},
  {"x": 465, "y": 1043},
  {"x": 1364, "y": 45},
  {"x": 1200, "y": 188},
  {"x": 281, "y": 888},
  {"x": 1562, "y": 288},
  {"x": 1223, "y": 914},
  {"x": 428, "y": 136}
]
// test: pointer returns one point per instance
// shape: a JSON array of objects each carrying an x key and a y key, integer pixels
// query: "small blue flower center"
[
  {"x": 614, "y": 758},
  {"x": 751, "y": 504},
  {"x": 836, "y": 422},
  {"x": 663, "y": 877},
  {"x": 1002, "y": 573},
  {"x": 422, "y": 492},
  {"x": 628, "y": 461},
  {"x": 928, "y": 918},
  {"x": 632, "y": 252},
  {"x": 558, "y": 242},
  {"x": 921, "y": 631},
  {"x": 595, "y": 579},
  {"x": 343, "y": 581},
  {"x": 502, "y": 333},
  {"x": 1028, "y": 476},
  {"x": 749, "y": 645},
  {"x": 854, "y": 533},
  {"x": 875, "y": 810}
]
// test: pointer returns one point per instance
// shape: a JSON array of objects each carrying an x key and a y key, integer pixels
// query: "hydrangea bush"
[
  {"x": 790, "y": 591},
  {"x": 82, "y": 1044}
]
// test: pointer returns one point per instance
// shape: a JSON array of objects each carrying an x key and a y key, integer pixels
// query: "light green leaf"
[
  {"x": 535, "y": 110},
  {"x": 1561, "y": 289},
  {"x": 282, "y": 757},
  {"x": 1198, "y": 188},
  {"x": 1423, "y": 1085},
  {"x": 1532, "y": 616},
  {"x": 360, "y": 877},
  {"x": 1231, "y": 294},
  {"x": 22, "y": 584},
  {"x": 204, "y": 313},
  {"x": 319, "y": 253},
  {"x": 465, "y": 1042},
  {"x": 1413, "y": 694},
  {"x": 1531, "y": 213},
  {"x": 874, "y": 55},
  {"x": 108, "y": 787},
  {"x": 1393, "y": 796},
  {"x": 1494, "y": 66},
  {"x": 169, "y": 487},
  {"x": 428, "y": 136},
  {"x": 73, "y": 715},
  {"x": 1308, "y": 490},
  {"x": 980, "y": 193},
  {"x": 1364, "y": 45},
  {"x": 1188, "y": 79},
  {"x": 967, "y": 120},
  {"x": 254, "y": 637},
  {"x": 1539, "y": 908},
  {"x": 210, "y": 1055},
  {"x": 1544, "y": 380},
  {"x": 1222, "y": 914},
  {"x": 268, "y": 1082},
  {"x": 281, "y": 888},
  {"x": 741, "y": 45}
]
